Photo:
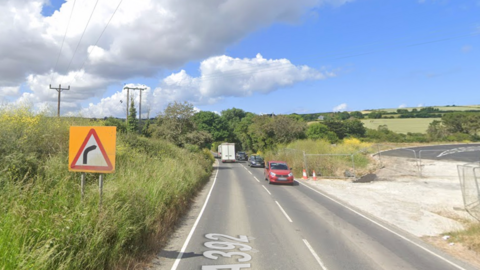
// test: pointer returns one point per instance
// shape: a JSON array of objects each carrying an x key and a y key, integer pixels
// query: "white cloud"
[
  {"x": 144, "y": 38},
  {"x": 224, "y": 76},
  {"x": 420, "y": 105},
  {"x": 9, "y": 91},
  {"x": 340, "y": 108},
  {"x": 116, "y": 104},
  {"x": 220, "y": 77},
  {"x": 402, "y": 106}
]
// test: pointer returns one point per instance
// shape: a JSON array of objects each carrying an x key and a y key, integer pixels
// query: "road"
[
  {"x": 241, "y": 222},
  {"x": 453, "y": 152}
]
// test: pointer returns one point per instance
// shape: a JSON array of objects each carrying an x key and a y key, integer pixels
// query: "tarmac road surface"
[
  {"x": 239, "y": 221},
  {"x": 453, "y": 152}
]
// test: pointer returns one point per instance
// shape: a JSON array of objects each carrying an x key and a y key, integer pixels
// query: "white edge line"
[
  {"x": 380, "y": 225},
  {"x": 266, "y": 189},
  {"x": 314, "y": 254},
  {"x": 285, "y": 213},
  {"x": 179, "y": 257}
]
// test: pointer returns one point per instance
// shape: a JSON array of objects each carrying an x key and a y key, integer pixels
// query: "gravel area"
[
  {"x": 429, "y": 207},
  {"x": 424, "y": 206}
]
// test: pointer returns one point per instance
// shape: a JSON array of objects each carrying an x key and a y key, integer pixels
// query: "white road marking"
[
  {"x": 266, "y": 190},
  {"x": 314, "y": 254},
  {"x": 250, "y": 172},
  {"x": 179, "y": 257},
  {"x": 256, "y": 179},
  {"x": 457, "y": 150},
  {"x": 381, "y": 226},
  {"x": 283, "y": 211}
]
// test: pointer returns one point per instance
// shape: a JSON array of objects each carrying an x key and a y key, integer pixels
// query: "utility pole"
[
  {"x": 59, "y": 90},
  {"x": 128, "y": 99},
  {"x": 140, "y": 103}
]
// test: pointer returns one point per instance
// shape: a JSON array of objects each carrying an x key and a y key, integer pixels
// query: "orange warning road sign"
[{"x": 92, "y": 149}]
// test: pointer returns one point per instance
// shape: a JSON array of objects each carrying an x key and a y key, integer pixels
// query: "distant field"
[
  {"x": 442, "y": 108},
  {"x": 401, "y": 125}
]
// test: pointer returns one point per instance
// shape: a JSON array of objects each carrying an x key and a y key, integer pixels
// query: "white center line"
[
  {"x": 256, "y": 179},
  {"x": 314, "y": 254},
  {"x": 285, "y": 213},
  {"x": 381, "y": 226},
  {"x": 266, "y": 190},
  {"x": 250, "y": 172}
]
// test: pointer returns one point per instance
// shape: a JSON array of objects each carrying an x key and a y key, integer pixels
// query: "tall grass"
[
  {"x": 333, "y": 160},
  {"x": 44, "y": 224}
]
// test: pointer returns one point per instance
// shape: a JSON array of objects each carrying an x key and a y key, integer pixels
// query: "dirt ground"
[{"x": 427, "y": 203}]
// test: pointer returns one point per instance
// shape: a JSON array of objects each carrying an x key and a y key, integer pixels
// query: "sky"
[{"x": 262, "y": 56}]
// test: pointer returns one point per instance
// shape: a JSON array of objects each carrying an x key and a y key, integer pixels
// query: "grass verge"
[{"x": 44, "y": 224}]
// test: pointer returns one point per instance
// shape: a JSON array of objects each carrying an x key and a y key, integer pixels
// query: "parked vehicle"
[
  {"x": 256, "y": 161},
  {"x": 278, "y": 172},
  {"x": 241, "y": 156},
  {"x": 227, "y": 152}
]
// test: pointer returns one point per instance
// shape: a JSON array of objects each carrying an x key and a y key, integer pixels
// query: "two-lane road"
[{"x": 245, "y": 223}]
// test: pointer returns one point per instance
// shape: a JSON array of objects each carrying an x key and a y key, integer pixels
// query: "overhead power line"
[
  {"x": 64, "y": 36},
  {"x": 84, "y": 30}
]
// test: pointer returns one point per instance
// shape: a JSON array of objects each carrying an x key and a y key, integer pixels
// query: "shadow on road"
[
  {"x": 174, "y": 254},
  {"x": 222, "y": 168}
]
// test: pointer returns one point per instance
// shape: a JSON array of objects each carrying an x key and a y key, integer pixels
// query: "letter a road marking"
[{"x": 91, "y": 155}]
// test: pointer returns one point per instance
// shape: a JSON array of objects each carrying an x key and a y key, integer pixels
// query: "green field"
[
  {"x": 441, "y": 108},
  {"x": 401, "y": 125}
]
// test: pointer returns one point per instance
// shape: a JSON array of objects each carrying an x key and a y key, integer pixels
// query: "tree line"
[{"x": 182, "y": 125}]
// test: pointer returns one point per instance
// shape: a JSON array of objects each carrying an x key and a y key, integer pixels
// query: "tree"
[
  {"x": 213, "y": 124},
  {"x": 436, "y": 131},
  {"x": 132, "y": 121},
  {"x": 261, "y": 132},
  {"x": 242, "y": 132},
  {"x": 287, "y": 129},
  {"x": 175, "y": 123},
  {"x": 455, "y": 122},
  {"x": 320, "y": 131},
  {"x": 120, "y": 124},
  {"x": 357, "y": 115},
  {"x": 337, "y": 127},
  {"x": 375, "y": 115},
  {"x": 233, "y": 117},
  {"x": 354, "y": 127}
]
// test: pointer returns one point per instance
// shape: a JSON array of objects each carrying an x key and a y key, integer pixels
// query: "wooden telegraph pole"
[
  {"x": 140, "y": 103},
  {"x": 59, "y": 90}
]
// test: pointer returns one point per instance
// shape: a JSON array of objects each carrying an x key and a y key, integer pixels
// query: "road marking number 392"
[{"x": 231, "y": 244}]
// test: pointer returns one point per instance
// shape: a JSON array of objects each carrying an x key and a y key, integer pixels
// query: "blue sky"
[{"x": 281, "y": 56}]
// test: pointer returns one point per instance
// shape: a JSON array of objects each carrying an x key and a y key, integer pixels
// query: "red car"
[{"x": 278, "y": 172}]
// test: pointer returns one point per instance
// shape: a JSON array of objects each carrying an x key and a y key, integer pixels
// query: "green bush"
[
  {"x": 330, "y": 165},
  {"x": 44, "y": 224}
]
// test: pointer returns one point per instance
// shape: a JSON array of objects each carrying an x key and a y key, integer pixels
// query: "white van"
[{"x": 227, "y": 152}]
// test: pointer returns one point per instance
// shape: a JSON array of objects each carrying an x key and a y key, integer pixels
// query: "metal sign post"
[
  {"x": 83, "y": 185},
  {"x": 100, "y": 187}
]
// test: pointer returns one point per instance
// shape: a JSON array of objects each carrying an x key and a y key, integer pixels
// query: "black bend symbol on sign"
[
  {"x": 80, "y": 162},
  {"x": 85, "y": 153}
]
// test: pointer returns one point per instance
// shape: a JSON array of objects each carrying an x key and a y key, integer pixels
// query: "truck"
[{"x": 226, "y": 152}]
